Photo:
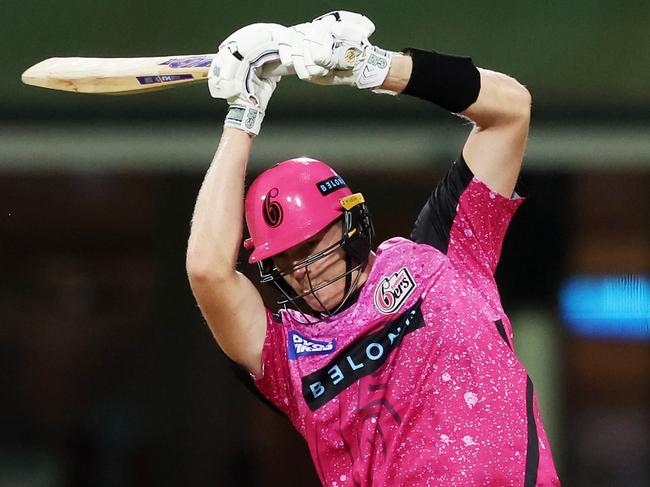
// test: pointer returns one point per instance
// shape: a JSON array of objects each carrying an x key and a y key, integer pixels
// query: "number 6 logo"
[{"x": 272, "y": 211}]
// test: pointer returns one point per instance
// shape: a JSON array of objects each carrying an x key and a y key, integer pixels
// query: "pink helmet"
[{"x": 289, "y": 203}]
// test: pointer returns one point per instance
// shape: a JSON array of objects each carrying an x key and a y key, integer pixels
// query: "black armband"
[{"x": 448, "y": 81}]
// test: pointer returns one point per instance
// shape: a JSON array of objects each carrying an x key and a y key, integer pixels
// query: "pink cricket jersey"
[{"x": 417, "y": 383}]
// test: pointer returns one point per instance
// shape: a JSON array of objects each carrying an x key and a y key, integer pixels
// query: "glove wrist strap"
[
  {"x": 372, "y": 71},
  {"x": 246, "y": 118}
]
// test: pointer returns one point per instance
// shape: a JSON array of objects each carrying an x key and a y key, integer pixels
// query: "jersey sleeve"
[
  {"x": 433, "y": 224},
  {"x": 275, "y": 381},
  {"x": 464, "y": 219}
]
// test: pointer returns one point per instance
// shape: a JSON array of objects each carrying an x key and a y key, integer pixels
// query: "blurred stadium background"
[{"x": 108, "y": 375}]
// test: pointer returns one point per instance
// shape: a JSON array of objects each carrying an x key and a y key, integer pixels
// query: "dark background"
[{"x": 108, "y": 374}]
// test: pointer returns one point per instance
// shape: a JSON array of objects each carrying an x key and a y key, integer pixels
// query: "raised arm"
[
  {"x": 230, "y": 303},
  {"x": 495, "y": 148},
  {"x": 334, "y": 50}
]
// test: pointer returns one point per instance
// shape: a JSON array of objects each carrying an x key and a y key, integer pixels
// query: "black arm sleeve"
[{"x": 436, "y": 217}]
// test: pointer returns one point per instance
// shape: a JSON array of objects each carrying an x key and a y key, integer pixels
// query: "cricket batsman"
[{"x": 394, "y": 361}]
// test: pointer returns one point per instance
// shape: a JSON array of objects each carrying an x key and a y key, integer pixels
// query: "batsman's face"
[{"x": 310, "y": 277}]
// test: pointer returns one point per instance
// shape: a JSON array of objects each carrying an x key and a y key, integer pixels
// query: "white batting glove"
[
  {"x": 235, "y": 74},
  {"x": 334, "y": 49}
]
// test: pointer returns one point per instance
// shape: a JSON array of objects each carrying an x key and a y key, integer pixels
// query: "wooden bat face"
[
  {"x": 126, "y": 76},
  {"x": 118, "y": 76}
]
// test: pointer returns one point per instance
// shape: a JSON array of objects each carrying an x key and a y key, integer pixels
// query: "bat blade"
[
  {"x": 125, "y": 76},
  {"x": 118, "y": 76}
]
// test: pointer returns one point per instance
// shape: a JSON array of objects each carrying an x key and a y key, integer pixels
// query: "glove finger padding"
[
  {"x": 233, "y": 79},
  {"x": 295, "y": 46},
  {"x": 289, "y": 43},
  {"x": 333, "y": 34},
  {"x": 340, "y": 20},
  {"x": 252, "y": 35},
  {"x": 234, "y": 74},
  {"x": 316, "y": 52},
  {"x": 250, "y": 42},
  {"x": 313, "y": 48},
  {"x": 334, "y": 49}
]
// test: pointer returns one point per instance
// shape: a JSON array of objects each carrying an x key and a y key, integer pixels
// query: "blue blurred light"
[{"x": 607, "y": 306}]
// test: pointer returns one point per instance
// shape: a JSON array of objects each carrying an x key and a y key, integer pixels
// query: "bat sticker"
[
  {"x": 164, "y": 78},
  {"x": 189, "y": 62}
]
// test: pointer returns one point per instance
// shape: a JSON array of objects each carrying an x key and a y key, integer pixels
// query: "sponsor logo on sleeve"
[
  {"x": 299, "y": 346},
  {"x": 392, "y": 291}
]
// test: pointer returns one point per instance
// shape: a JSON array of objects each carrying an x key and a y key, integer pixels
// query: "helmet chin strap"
[
  {"x": 350, "y": 287},
  {"x": 346, "y": 291},
  {"x": 313, "y": 317},
  {"x": 348, "y": 274}
]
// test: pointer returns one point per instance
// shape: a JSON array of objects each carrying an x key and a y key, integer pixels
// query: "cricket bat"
[{"x": 123, "y": 76}]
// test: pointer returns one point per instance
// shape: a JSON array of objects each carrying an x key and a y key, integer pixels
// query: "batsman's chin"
[{"x": 323, "y": 301}]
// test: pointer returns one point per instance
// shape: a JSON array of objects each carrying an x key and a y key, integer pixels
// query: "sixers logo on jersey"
[
  {"x": 392, "y": 291},
  {"x": 272, "y": 210}
]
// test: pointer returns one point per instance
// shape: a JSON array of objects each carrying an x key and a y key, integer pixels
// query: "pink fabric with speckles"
[{"x": 448, "y": 405}]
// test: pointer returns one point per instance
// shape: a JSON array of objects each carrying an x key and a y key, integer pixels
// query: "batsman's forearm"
[
  {"x": 216, "y": 229},
  {"x": 399, "y": 73}
]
